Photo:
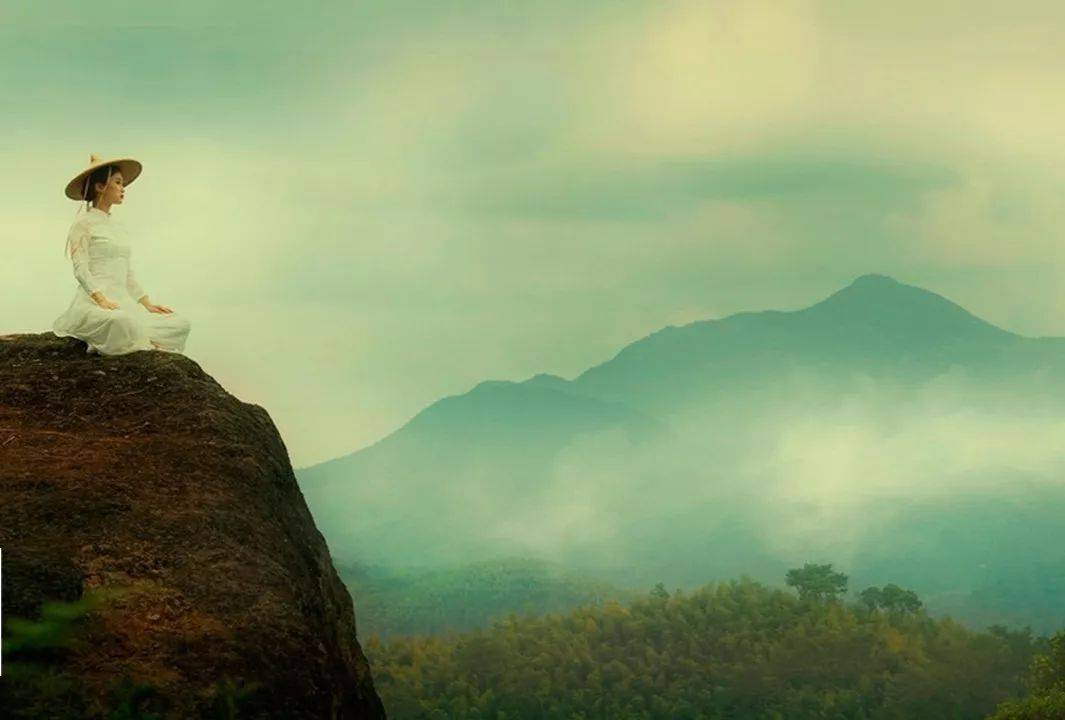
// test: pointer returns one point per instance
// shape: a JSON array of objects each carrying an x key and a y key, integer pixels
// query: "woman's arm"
[{"x": 78, "y": 242}]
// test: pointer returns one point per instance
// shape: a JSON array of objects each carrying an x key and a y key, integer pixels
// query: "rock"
[{"x": 141, "y": 472}]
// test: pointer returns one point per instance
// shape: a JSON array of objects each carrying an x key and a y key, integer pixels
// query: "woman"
[{"x": 110, "y": 310}]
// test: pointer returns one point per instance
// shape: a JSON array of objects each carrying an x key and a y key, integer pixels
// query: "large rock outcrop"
[{"x": 141, "y": 472}]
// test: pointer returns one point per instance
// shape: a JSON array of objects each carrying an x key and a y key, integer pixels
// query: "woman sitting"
[{"x": 110, "y": 310}]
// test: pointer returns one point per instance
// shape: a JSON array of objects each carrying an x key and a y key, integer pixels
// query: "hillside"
[
  {"x": 493, "y": 442},
  {"x": 395, "y": 601}
]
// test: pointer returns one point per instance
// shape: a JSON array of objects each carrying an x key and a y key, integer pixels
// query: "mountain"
[
  {"x": 883, "y": 428},
  {"x": 496, "y": 439},
  {"x": 876, "y": 327},
  {"x": 155, "y": 518}
]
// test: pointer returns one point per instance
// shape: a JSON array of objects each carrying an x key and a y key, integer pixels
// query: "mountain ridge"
[{"x": 864, "y": 292}]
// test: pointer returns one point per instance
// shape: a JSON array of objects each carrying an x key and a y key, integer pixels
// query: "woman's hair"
[{"x": 99, "y": 175}]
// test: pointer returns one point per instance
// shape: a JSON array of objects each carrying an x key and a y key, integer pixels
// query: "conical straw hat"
[{"x": 76, "y": 188}]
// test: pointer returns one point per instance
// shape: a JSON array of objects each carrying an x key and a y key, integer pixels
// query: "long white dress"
[{"x": 100, "y": 253}]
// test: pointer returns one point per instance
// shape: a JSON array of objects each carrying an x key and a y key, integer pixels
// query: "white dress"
[{"x": 101, "y": 256}]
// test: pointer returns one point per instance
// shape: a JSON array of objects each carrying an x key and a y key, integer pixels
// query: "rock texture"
[{"x": 141, "y": 472}]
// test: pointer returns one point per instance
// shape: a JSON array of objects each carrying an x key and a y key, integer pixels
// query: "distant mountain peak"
[
  {"x": 547, "y": 380},
  {"x": 874, "y": 289},
  {"x": 875, "y": 280},
  {"x": 541, "y": 377},
  {"x": 876, "y": 300}
]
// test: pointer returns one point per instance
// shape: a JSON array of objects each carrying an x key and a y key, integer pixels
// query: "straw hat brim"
[{"x": 129, "y": 167}]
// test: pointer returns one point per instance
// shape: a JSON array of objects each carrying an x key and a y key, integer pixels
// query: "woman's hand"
[
  {"x": 152, "y": 307},
  {"x": 100, "y": 299}
]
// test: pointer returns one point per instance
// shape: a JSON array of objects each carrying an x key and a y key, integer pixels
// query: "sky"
[{"x": 363, "y": 207}]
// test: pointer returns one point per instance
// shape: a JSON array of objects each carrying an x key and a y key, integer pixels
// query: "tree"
[
  {"x": 1047, "y": 681},
  {"x": 891, "y": 598},
  {"x": 817, "y": 582},
  {"x": 872, "y": 597},
  {"x": 1048, "y": 671}
]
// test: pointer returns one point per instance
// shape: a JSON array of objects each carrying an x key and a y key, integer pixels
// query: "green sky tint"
[{"x": 365, "y": 206}]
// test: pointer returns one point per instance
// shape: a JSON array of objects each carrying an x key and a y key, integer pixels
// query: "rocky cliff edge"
[{"x": 141, "y": 474}]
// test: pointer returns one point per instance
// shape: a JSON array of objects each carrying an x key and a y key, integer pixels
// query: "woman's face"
[{"x": 115, "y": 191}]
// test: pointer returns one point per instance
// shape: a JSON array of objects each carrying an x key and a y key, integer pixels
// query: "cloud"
[
  {"x": 830, "y": 471},
  {"x": 643, "y": 189},
  {"x": 690, "y": 77}
]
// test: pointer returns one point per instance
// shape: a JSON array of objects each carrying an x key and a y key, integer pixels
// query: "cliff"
[{"x": 140, "y": 473}]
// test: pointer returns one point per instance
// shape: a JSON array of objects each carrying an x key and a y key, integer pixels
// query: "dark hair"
[{"x": 99, "y": 175}]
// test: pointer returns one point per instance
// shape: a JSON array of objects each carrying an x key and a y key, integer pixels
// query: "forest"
[{"x": 737, "y": 649}]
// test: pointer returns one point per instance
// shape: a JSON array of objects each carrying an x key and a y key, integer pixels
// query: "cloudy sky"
[{"x": 368, "y": 207}]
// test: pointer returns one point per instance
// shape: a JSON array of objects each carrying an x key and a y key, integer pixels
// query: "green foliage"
[
  {"x": 229, "y": 695},
  {"x": 36, "y": 686},
  {"x": 133, "y": 700},
  {"x": 817, "y": 582},
  {"x": 57, "y": 625},
  {"x": 891, "y": 598},
  {"x": 736, "y": 650},
  {"x": 1047, "y": 683},
  {"x": 1048, "y": 670},
  {"x": 1047, "y": 706}
]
